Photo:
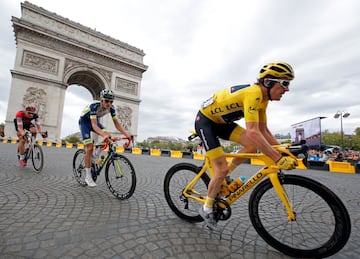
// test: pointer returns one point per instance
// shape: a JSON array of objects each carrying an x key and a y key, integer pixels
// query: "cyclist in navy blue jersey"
[{"x": 89, "y": 121}]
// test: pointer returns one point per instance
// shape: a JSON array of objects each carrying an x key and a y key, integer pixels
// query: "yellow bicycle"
[{"x": 296, "y": 215}]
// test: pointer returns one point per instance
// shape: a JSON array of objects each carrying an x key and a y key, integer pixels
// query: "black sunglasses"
[{"x": 108, "y": 101}]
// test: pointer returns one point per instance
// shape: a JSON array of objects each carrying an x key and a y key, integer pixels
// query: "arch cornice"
[
  {"x": 32, "y": 33},
  {"x": 72, "y": 67}
]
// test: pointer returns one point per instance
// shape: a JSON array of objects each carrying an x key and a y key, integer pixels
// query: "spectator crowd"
[{"x": 334, "y": 154}]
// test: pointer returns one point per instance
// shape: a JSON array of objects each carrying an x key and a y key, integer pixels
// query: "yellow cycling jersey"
[{"x": 234, "y": 103}]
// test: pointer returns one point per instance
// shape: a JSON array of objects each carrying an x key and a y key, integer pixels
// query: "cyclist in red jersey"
[
  {"x": 25, "y": 120},
  {"x": 216, "y": 119}
]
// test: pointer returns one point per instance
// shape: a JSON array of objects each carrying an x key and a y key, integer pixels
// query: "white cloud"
[{"x": 194, "y": 48}]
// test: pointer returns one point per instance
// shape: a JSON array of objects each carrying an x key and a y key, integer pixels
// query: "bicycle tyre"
[
  {"x": 79, "y": 167},
  {"x": 177, "y": 177},
  {"x": 121, "y": 184},
  {"x": 37, "y": 158},
  {"x": 322, "y": 226}
]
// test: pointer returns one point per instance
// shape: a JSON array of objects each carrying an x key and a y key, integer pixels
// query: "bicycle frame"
[
  {"x": 110, "y": 156},
  {"x": 30, "y": 140},
  {"x": 270, "y": 169}
]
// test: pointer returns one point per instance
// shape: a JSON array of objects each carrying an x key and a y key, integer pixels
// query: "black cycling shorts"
[{"x": 210, "y": 132}]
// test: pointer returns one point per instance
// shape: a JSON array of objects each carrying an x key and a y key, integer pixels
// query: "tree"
[
  {"x": 357, "y": 132},
  {"x": 350, "y": 141},
  {"x": 73, "y": 139}
]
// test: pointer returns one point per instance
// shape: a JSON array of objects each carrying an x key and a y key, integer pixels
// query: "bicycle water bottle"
[
  {"x": 237, "y": 183},
  {"x": 100, "y": 160}
]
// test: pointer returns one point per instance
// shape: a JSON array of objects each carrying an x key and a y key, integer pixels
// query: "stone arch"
[
  {"x": 54, "y": 52},
  {"x": 88, "y": 78}
]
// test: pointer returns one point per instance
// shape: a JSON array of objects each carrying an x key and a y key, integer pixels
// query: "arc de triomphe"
[{"x": 53, "y": 53}]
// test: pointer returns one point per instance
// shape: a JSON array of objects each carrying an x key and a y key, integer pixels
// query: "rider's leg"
[
  {"x": 88, "y": 156},
  {"x": 85, "y": 128},
  {"x": 239, "y": 136},
  {"x": 21, "y": 145},
  {"x": 221, "y": 170},
  {"x": 32, "y": 129},
  {"x": 21, "y": 148}
]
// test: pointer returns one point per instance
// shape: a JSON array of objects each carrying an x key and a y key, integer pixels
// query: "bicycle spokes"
[
  {"x": 37, "y": 157},
  {"x": 120, "y": 177}
]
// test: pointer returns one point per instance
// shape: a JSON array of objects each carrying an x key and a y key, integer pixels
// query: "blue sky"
[{"x": 194, "y": 48}]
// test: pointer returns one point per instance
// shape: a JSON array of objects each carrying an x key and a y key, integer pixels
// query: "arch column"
[{"x": 54, "y": 52}]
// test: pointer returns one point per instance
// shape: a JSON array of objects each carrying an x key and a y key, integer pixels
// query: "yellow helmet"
[{"x": 277, "y": 70}]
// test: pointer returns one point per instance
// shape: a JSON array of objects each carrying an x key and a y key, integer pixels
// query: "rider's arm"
[
  {"x": 38, "y": 127},
  {"x": 121, "y": 128},
  {"x": 97, "y": 129},
  {"x": 20, "y": 128},
  {"x": 256, "y": 128},
  {"x": 267, "y": 134},
  {"x": 254, "y": 133}
]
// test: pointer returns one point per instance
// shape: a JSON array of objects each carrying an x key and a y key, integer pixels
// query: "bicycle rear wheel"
[
  {"x": 79, "y": 167},
  {"x": 37, "y": 158},
  {"x": 175, "y": 181},
  {"x": 120, "y": 177},
  {"x": 322, "y": 226}
]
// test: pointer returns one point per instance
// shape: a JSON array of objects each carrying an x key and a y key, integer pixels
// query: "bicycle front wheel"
[
  {"x": 175, "y": 181},
  {"x": 120, "y": 177},
  {"x": 79, "y": 167},
  {"x": 322, "y": 226},
  {"x": 37, "y": 158}
]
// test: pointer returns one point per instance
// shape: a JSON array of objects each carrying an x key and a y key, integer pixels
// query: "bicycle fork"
[
  {"x": 274, "y": 178},
  {"x": 118, "y": 173}
]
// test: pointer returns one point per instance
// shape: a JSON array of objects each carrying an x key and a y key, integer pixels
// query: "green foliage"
[
  {"x": 357, "y": 132},
  {"x": 156, "y": 144},
  {"x": 350, "y": 141},
  {"x": 72, "y": 139}
]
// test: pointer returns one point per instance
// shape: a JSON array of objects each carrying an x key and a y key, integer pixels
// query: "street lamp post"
[{"x": 342, "y": 115}]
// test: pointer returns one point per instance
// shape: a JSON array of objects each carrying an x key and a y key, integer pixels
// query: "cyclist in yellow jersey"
[{"x": 216, "y": 119}]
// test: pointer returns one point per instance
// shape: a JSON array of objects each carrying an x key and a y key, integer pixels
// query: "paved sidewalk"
[{"x": 49, "y": 215}]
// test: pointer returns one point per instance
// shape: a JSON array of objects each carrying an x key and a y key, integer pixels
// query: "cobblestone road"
[{"x": 49, "y": 215}]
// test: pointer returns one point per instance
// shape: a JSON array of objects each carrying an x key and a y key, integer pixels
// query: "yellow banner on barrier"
[
  {"x": 120, "y": 149},
  {"x": 155, "y": 152},
  {"x": 176, "y": 154},
  {"x": 341, "y": 167},
  {"x": 198, "y": 156},
  {"x": 136, "y": 151}
]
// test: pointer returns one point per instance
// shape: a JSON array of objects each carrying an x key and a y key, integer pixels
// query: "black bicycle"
[
  {"x": 119, "y": 172},
  {"x": 33, "y": 151}
]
